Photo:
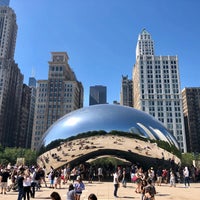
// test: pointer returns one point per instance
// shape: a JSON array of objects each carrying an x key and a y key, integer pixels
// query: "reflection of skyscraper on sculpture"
[
  {"x": 156, "y": 87},
  {"x": 98, "y": 95}
]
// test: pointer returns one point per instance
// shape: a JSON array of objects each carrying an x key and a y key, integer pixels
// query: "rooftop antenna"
[{"x": 33, "y": 73}]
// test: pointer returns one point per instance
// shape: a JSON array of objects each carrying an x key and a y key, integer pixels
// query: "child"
[{"x": 78, "y": 187}]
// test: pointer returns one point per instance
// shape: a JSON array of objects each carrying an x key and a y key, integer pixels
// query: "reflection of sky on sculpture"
[
  {"x": 106, "y": 117},
  {"x": 159, "y": 134},
  {"x": 147, "y": 131}
]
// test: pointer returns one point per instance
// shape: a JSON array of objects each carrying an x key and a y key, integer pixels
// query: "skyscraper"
[
  {"x": 55, "y": 97},
  {"x": 32, "y": 86},
  {"x": 98, "y": 95},
  {"x": 4, "y": 2},
  {"x": 191, "y": 112},
  {"x": 22, "y": 135},
  {"x": 126, "y": 94},
  {"x": 8, "y": 32},
  {"x": 156, "y": 87},
  {"x": 11, "y": 79}
]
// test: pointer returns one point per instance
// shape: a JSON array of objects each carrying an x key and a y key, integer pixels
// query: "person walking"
[{"x": 186, "y": 175}]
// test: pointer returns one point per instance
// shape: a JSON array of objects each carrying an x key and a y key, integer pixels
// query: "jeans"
[
  {"x": 187, "y": 181},
  {"x": 20, "y": 193},
  {"x": 116, "y": 186}
]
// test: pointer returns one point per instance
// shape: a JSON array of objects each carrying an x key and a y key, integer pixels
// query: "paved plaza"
[{"x": 104, "y": 191}]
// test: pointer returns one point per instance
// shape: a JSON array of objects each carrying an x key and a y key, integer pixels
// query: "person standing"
[
  {"x": 116, "y": 182},
  {"x": 20, "y": 179},
  {"x": 124, "y": 177},
  {"x": 57, "y": 180},
  {"x": 140, "y": 176},
  {"x": 4, "y": 180},
  {"x": 172, "y": 178},
  {"x": 100, "y": 174},
  {"x": 90, "y": 174},
  {"x": 27, "y": 185},
  {"x": 92, "y": 197},
  {"x": 186, "y": 175},
  {"x": 150, "y": 191},
  {"x": 55, "y": 196},
  {"x": 159, "y": 176},
  {"x": 71, "y": 195},
  {"x": 79, "y": 186}
]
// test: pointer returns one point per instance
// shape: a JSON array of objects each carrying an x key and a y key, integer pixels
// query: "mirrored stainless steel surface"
[{"x": 107, "y": 117}]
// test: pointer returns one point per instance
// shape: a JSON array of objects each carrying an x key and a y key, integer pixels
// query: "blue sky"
[{"x": 100, "y": 37}]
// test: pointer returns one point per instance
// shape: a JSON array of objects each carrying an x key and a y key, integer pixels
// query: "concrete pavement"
[{"x": 104, "y": 191}]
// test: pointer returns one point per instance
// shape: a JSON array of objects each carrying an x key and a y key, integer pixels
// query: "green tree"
[
  {"x": 10, "y": 155},
  {"x": 187, "y": 159},
  {"x": 30, "y": 157}
]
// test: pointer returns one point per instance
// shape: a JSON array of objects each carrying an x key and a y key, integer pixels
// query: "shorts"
[
  {"x": 78, "y": 193},
  {"x": 3, "y": 185}
]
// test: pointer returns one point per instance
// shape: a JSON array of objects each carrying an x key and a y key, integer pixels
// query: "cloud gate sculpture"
[{"x": 104, "y": 117}]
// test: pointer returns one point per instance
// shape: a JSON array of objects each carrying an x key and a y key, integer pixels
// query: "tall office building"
[
  {"x": 156, "y": 87},
  {"x": 4, "y": 2},
  {"x": 126, "y": 94},
  {"x": 55, "y": 97},
  {"x": 8, "y": 32},
  {"x": 32, "y": 86},
  {"x": 11, "y": 79},
  {"x": 24, "y": 117},
  {"x": 98, "y": 95},
  {"x": 191, "y": 112}
]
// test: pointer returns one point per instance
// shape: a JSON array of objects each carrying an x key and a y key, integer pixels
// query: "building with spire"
[
  {"x": 156, "y": 87},
  {"x": 32, "y": 86},
  {"x": 55, "y": 97}
]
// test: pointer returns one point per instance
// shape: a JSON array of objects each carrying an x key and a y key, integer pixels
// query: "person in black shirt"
[
  {"x": 20, "y": 179},
  {"x": 4, "y": 180}
]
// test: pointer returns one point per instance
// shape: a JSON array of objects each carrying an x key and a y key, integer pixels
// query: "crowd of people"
[{"x": 27, "y": 180}]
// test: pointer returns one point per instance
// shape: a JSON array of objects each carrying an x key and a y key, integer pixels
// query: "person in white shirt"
[
  {"x": 186, "y": 175},
  {"x": 100, "y": 174},
  {"x": 115, "y": 182},
  {"x": 27, "y": 184}
]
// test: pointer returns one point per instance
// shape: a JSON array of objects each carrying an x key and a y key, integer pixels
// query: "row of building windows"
[
  {"x": 158, "y": 62},
  {"x": 60, "y": 84},
  {"x": 57, "y": 68}
]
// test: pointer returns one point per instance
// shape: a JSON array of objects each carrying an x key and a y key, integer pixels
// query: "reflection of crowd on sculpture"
[{"x": 28, "y": 180}]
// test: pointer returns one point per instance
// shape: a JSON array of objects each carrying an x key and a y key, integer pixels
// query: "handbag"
[{"x": 134, "y": 178}]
